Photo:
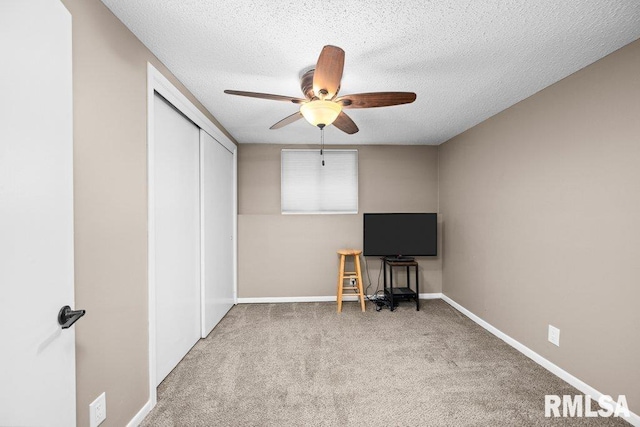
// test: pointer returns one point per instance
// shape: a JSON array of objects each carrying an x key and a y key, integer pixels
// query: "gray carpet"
[{"x": 302, "y": 364}]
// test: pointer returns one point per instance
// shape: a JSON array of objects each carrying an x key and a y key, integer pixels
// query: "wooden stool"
[{"x": 347, "y": 275}]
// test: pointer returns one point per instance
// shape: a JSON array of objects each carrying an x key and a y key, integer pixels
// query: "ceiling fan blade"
[
  {"x": 328, "y": 72},
  {"x": 266, "y": 96},
  {"x": 376, "y": 99},
  {"x": 287, "y": 120},
  {"x": 345, "y": 124}
]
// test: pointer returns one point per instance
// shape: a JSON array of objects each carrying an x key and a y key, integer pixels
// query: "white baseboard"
[
  {"x": 331, "y": 298},
  {"x": 264, "y": 300},
  {"x": 431, "y": 296},
  {"x": 633, "y": 418},
  {"x": 137, "y": 419}
]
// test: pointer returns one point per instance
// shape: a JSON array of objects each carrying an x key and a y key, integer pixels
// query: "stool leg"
[
  {"x": 340, "y": 282},
  {"x": 359, "y": 279}
]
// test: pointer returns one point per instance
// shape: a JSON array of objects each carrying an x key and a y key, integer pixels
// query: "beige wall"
[
  {"x": 110, "y": 113},
  {"x": 541, "y": 222},
  {"x": 295, "y": 255}
]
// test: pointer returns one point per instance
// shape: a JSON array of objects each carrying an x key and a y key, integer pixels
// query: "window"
[{"x": 310, "y": 188}]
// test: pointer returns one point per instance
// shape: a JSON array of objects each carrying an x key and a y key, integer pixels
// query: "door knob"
[{"x": 67, "y": 317}]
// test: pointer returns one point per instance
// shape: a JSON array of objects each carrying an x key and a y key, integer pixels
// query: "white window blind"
[{"x": 308, "y": 187}]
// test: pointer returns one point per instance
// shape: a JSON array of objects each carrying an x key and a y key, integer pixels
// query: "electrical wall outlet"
[
  {"x": 98, "y": 410},
  {"x": 352, "y": 282},
  {"x": 554, "y": 335}
]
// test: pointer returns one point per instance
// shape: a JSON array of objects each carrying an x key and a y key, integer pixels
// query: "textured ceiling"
[{"x": 465, "y": 60}]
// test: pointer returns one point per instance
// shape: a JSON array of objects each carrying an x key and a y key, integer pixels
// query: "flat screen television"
[{"x": 398, "y": 235}]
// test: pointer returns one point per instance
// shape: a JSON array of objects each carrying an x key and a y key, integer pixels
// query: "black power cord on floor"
[{"x": 378, "y": 297}]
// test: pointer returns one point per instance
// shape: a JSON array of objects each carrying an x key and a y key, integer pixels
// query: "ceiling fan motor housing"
[{"x": 306, "y": 84}]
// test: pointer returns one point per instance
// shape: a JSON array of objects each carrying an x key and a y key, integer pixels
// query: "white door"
[
  {"x": 176, "y": 169},
  {"x": 37, "y": 359},
  {"x": 217, "y": 200}
]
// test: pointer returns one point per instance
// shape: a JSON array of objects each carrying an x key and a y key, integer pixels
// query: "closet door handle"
[{"x": 67, "y": 317}]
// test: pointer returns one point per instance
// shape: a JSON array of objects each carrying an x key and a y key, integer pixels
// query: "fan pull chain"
[{"x": 322, "y": 144}]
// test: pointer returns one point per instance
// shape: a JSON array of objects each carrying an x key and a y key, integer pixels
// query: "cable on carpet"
[{"x": 378, "y": 297}]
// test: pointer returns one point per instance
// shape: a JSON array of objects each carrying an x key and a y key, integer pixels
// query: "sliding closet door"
[
  {"x": 217, "y": 231},
  {"x": 177, "y": 235}
]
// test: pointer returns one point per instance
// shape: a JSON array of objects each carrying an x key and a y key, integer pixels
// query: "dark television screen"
[{"x": 395, "y": 234}]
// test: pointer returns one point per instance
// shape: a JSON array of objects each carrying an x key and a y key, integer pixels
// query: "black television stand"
[
  {"x": 399, "y": 258},
  {"x": 394, "y": 294}
]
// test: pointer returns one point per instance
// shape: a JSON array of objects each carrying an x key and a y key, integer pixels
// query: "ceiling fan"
[{"x": 322, "y": 106}]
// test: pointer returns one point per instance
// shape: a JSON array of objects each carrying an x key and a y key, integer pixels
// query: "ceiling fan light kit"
[
  {"x": 321, "y": 113},
  {"x": 321, "y": 106}
]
